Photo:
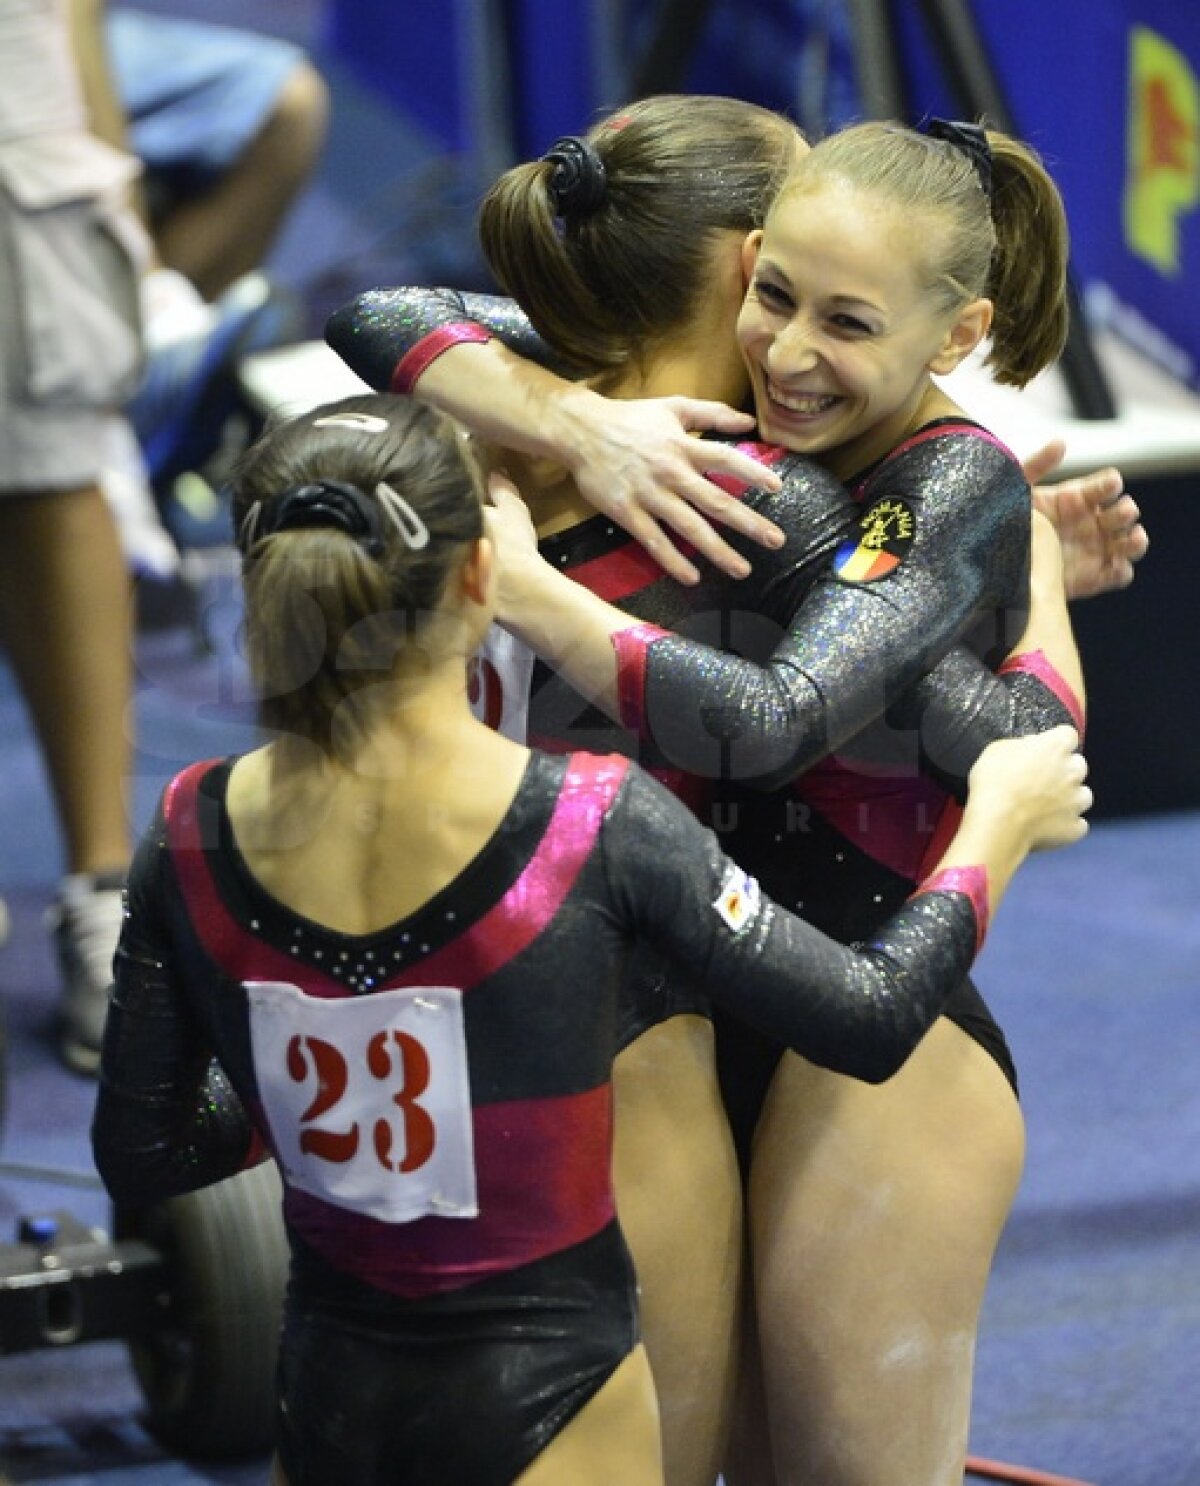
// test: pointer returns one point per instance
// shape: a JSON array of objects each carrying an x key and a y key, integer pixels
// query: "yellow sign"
[{"x": 1163, "y": 178}]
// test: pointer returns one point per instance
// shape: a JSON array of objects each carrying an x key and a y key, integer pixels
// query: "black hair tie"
[
  {"x": 578, "y": 182},
  {"x": 971, "y": 140},
  {"x": 332, "y": 503}
]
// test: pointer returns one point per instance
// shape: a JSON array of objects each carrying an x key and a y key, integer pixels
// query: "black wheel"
[{"x": 208, "y": 1377}]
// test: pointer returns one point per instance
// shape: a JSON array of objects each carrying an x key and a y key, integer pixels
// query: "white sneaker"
[{"x": 86, "y": 923}]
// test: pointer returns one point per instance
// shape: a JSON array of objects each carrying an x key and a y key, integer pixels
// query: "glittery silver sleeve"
[
  {"x": 167, "y": 1119},
  {"x": 853, "y": 646},
  {"x": 961, "y": 707},
  {"x": 377, "y": 330},
  {"x": 859, "y": 1010}
]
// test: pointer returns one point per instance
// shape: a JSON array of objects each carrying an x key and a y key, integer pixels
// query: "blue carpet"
[{"x": 1087, "y": 1360}]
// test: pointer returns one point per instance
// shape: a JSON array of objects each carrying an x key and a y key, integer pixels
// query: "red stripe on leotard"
[{"x": 543, "y": 1169}]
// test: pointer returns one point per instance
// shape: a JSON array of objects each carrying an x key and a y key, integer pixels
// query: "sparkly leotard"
[
  {"x": 865, "y": 682},
  {"x": 437, "y": 1094}
]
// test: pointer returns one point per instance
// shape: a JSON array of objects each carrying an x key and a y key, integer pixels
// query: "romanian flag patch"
[
  {"x": 737, "y": 903},
  {"x": 885, "y": 534}
]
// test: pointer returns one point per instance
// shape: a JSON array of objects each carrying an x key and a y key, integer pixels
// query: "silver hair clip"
[
  {"x": 364, "y": 422},
  {"x": 249, "y": 527},
  {"x": 406, "y": 521}
]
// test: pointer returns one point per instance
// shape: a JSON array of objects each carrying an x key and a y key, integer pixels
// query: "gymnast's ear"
[
  {"x": 971, "y": 324},
  {"x": 478, "y": 573},
  {"x": 750, "y": 251}
]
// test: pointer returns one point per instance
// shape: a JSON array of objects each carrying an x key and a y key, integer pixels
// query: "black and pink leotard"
[{"x": 437, "y": 1093}]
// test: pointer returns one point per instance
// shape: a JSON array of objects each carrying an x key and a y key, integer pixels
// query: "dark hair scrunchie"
[
  {"x": 332, "y": 503},
  {"x": 578, "y": 183},
  {"x": 971, "y": 139}
]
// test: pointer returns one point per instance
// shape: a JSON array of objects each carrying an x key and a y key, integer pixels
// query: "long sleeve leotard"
[
  {"x": 437, "y": 1093},
  {"x": 594, "y": 855}
]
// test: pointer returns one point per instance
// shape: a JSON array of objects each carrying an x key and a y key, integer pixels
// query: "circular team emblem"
[{"x": 885, "y": 534}]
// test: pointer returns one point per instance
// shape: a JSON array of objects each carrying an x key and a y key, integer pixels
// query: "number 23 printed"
[{"x": 368, "y": 1097}]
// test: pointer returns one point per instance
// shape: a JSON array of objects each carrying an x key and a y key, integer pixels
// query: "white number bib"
[
  {"x": 498, "y": 679},
  {"x": 368, "y": 1098}
]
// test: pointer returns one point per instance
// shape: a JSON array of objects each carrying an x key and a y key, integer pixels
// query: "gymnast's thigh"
[
  {"x": 874, "y": 1216},
  {"x": 946, "y": 1130},
  {"x": 679, "y": 1202}
]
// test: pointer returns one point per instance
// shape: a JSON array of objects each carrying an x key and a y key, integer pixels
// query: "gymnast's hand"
[
  {"x": 1037, "y": 784},
  {"x": 514, "y": 536},
  {"x": 1098, "y": 523},
  {"x": 637, "y": 462},
  {"x": 1023, "y": 794}
]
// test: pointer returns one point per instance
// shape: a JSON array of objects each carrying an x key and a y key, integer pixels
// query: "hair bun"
[
  {"x": 578, "y": 183},
  {"x": 328, "y": 503}
]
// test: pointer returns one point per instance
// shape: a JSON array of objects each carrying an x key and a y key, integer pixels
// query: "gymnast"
[
  {"x": 366, "y": 922},
  {"x": 661, "y": 163}
]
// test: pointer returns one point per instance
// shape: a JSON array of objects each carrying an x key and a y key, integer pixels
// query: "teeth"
[{"x": 796, "y": 402}]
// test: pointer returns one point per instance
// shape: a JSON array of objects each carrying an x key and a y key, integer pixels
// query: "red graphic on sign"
[
  {"x": 419, "y": 1133},
  {"x": 1167, "y": 131},
  {"x": 387, "y": 1054}
]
